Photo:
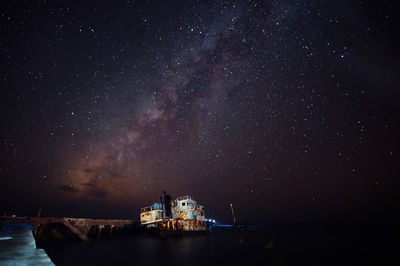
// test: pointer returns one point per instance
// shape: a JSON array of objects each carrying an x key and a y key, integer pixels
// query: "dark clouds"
[{"x": 67, "y": 188}]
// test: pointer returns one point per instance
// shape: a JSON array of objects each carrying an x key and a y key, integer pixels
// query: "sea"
[
  {"x": 18, "y": 247},
  {"x": 273, "y": 244}
]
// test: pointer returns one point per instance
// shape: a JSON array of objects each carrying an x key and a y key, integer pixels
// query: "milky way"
[{"x": 272, "y": 105}]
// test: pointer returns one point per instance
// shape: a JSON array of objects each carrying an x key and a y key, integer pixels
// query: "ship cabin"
[
  {"x": 181, "y": 214},
  {"x": 187, "y": 208},
  {"x": 151, "y": 214}
]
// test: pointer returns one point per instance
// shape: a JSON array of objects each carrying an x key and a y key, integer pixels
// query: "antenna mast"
[{"x": 233, "y": 215}]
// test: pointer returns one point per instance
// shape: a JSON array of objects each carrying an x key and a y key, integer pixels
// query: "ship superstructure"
[{"x": 181, "y": 214}]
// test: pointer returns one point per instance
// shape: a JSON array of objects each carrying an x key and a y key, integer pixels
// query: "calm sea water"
[
  {"x": 17, "y": 247},
  {"x": 267, "y": 245}
]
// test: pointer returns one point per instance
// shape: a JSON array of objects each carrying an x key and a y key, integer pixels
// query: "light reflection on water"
[{"x": 20, "y": 248}]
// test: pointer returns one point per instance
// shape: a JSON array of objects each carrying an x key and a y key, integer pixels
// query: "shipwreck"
[{"x": 182, "y": 214}]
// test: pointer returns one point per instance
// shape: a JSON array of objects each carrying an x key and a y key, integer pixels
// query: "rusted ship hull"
[{"x": 182, "y": 215}]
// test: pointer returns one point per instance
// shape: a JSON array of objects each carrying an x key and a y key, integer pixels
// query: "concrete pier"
[{"x": 46, "y": 227}]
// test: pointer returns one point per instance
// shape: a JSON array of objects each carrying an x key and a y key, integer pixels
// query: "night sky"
[{"x": 287, "y": 109}]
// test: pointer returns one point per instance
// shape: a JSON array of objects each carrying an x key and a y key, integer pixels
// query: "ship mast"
[{"x": 233, "y": 215}]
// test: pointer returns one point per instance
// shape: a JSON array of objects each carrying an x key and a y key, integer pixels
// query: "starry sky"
[{"x": 287, "y": 109}]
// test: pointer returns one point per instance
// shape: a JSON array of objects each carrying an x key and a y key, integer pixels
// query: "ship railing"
[
  {"x": 184, "y": 198},
  {"x": 147, "y": 209},
  {"x": 155, "y": 206}
]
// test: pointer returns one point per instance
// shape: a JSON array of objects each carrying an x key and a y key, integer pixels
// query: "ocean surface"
[
  {"x": 17, "y": 247},
  {"x": 279, "y": 244}
]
